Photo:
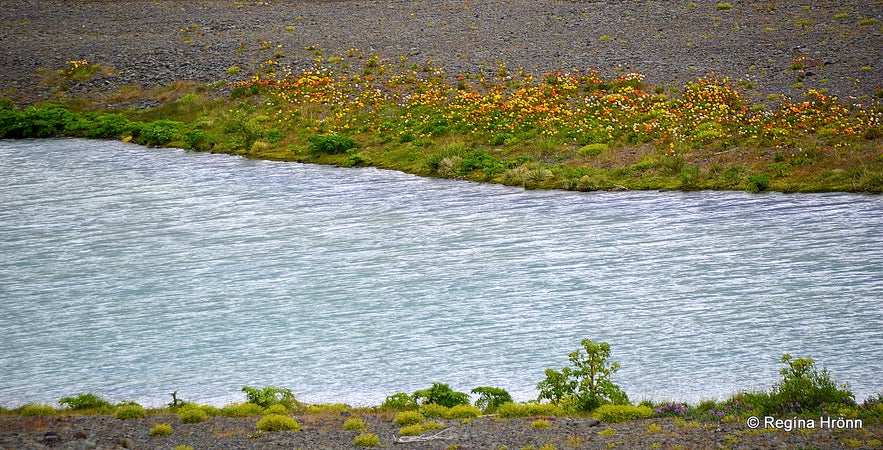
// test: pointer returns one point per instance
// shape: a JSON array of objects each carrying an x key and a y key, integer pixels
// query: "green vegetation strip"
[{"x": 562, "y": 130}]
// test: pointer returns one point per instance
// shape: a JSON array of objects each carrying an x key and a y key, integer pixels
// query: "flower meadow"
[{"x": 574, "y": 130}]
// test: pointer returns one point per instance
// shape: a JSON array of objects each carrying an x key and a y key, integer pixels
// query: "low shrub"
[
  {"x": 161, "y": 429},
  {"x": 411, "y": 430},
  {"x": 37, "y": 410},
  {"x": 434, "y": 410},
  {"x": 242, "y": 410},
  {"x": 620, "y": 413},
  {"x": 354, "y": 424},
  {"x": 408, "y": 418},
  {"x": 277, "y": 422},
  {"x": 515, "y": 410},
  {"x": 83, "y": 402},
  {"x": 590, "y": 150},
  {"x": 269, "y": 396},
  {"x": 758, "y": 183},
  {"x": 160, "y": 132},
  {"x": 192, "y": 414},
  {"x": 183, "y": 447},
  {"x": 330, "y": 144},
  {"x": 367, "y": 440},
  {"x": 540, "y": 423},
  {"x": 130, "y": 411},
  {"x": 276, "y": 409},
  {"x": 462, "y": 412}
]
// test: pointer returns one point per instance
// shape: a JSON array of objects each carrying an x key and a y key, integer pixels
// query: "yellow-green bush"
[
  {"x": 408, "y": 418},
  {"x": 354, "y": 424},
  {"x": 434, "y": 410},
  {"x": 513, "y": 410},
  {"x": 161, "y": 429},
  {"x": 192, "y": 414},
  {"x": 367, "y": 440},
  {"x": 130, "y": 411},
  {"x": 35, "y": 409},
  {"x": 242, "y": 410},
  {"x": 276, "y": 409},
  {"x": 411, "y": 430},
  {"x": 463, "y": 412},
  {"x": 619, "y": 413},
  {"x": 277, "y": 422}
]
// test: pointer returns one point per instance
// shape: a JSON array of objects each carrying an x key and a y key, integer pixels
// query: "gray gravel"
[{"x": 671, "y": 42}]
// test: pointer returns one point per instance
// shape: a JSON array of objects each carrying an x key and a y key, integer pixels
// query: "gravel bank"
[
  {"x": 326, "y": 432},
  {"x": 838, "y": 43}
]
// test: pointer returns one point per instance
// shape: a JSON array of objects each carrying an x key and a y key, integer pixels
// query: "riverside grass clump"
[{"x": 559, "y": 130}]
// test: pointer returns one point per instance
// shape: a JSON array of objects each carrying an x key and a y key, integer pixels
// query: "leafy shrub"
[
  {"x": 330, "y": 144},
  {"x": 408, "y": 418},
  {"x": 269, "y": 396},
  {"x": 619, "y": 413},
  {"x": 34, "y": 122},
  {"x": 434, "y": 410},
  {"x": 758, "y": 183},
  {"x": 160, "y": 132},
  {"x": 277, "y": 422},
  {"x": 514, "y": 410},
  {"x": 161, "y": 429},
  {"x": 355, "y": 424},
  {"x": 130, "y": 411},
  {"x": 328, "y": 408},
  {"x": 463, "y": 412},
  {"x": 367, "y": 440},
  {"x": 490, "y": 398},
  {"x": 411, "y": 430},
  {"x": 398, "y": 401},
  {"x": 588, "y": 383},
  {"x": 441, "y": 394},
  {"x": 37, "y": 410},
  {"x": 242, "y": 410},
  {"x": 805, "y": 388},
  {"x": 86, "y": 402},
  {"x": 192, "y": 414},
  {"x": 672, "y": 410}
]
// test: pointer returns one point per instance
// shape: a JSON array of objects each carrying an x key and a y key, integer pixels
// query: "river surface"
[{"x": 131, "y": 272}]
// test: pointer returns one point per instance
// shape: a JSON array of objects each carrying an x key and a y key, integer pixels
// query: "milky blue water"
[{"x": 132, "y": 272}]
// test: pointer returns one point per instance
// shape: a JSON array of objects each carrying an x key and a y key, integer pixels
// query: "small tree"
[
  {"x": 491, "y": 398},
  {"x": 588, "y": 382},
  {"x": 441, "y": 394},
  {"x": 805, "y": 388}
]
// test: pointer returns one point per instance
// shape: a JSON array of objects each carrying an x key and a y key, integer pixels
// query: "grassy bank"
[
  {"x": 563, "y": 130},
  {"x": 805, "y": 401}
]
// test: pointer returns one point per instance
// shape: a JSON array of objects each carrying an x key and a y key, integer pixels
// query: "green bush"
[
  {"x": 620, "y": 413},
  {"x": 515, "y": 410},
  {"x": 192, "y": 414},
  {"x": 277, "y": 422},
  {"x": 441, "y": 394},
  {"x": 758, "y": 183},
  {"x": 490, "y": 398},
  {"x": 398, "y": 401},
  {"x": 130, "y": 411},
  {"x": 805, "y": 388},
  {"x": 463, "y": 412},
  {"x": 367, "y": 440},
  {"x": 540, "y": 423},
  {"x": 161, "y": 429},
  {"x": 588, "y": 382},
  {"x": 37, "y": 409},
  {"x": 242, "y": 410},
  {"x": 160, "y": 132},
  {"x": 330, "y": 144},
  {"x": 269, "y": 396},
  {"x": 408, "y": 418},
  {"x": 355, "y": 424},
  {"x": 84, "y": 402},
  {"x": 34, "y": 122},
  {"x": 276, "y": 409}
]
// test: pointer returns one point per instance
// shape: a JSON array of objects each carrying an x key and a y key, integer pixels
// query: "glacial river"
[{"x": 132, "y": 272}]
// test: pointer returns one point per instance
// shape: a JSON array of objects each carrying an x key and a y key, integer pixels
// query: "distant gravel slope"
[{"x": 837, "y": 42}]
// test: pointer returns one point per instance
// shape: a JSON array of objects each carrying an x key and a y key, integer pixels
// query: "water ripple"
[{"x": 132, "y": 272}]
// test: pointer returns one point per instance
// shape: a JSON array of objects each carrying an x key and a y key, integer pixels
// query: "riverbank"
[
  {"x": 517, "y": 93},
  {"x": 326, "y": 431}
]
